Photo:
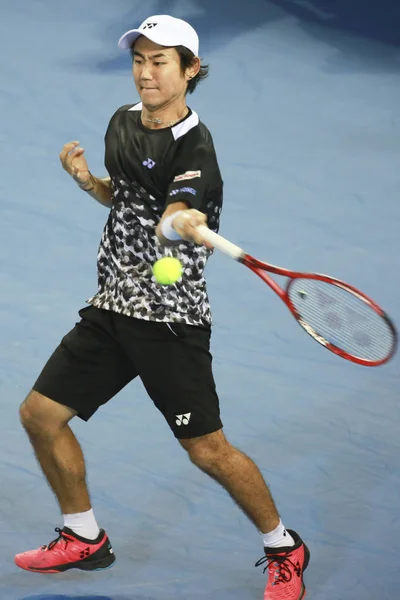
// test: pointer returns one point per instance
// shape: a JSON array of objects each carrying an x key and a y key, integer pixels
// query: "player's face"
[{"x": 157, "y": 73}]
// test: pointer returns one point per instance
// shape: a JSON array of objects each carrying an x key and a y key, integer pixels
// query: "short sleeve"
[{"x": 195, "y": 173}]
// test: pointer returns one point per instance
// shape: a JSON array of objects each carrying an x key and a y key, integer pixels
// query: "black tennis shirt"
[{"x": 150, "y": 169}]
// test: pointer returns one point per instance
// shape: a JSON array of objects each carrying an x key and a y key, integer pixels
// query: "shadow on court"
[
  {"x": 348, "y": 28},
  {"x": 352, "y": 30},
  {"x": 218, "y": 24},
  {"x": 379, "y": 21}
]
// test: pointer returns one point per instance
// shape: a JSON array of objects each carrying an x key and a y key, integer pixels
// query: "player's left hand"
[{"x": 185, "y": 224}]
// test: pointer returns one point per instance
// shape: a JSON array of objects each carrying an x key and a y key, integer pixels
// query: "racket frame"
[{"x": 262, "y": 269}]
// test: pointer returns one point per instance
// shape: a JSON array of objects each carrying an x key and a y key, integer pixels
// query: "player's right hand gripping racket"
[{"x": 333, "y": 313}]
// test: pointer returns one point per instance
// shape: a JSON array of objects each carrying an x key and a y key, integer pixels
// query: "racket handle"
[{"x": 221, "y": 243}]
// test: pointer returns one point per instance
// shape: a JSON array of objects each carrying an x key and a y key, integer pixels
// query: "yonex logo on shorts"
[
  {"x": 183, "y": 419},
  {"x": 149, "y": 163}
]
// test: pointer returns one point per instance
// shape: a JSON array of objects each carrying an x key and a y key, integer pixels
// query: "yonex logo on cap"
[{"x": 150, "y": 25}]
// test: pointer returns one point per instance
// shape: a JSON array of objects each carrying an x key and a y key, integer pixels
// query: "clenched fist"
[{"x": 75, "y": 164}]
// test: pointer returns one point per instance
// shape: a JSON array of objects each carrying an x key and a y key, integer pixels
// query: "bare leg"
[
  {"x": 57, "y": 450},
  {"x": 238, "y": 474}
]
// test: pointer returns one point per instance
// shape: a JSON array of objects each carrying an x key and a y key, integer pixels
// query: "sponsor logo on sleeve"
[
  {"x": 183, "y": 190},
  {"x": 188, "y": 175}
]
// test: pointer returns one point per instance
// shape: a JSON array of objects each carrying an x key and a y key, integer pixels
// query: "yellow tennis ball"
[{"x": 167, "y": 270}]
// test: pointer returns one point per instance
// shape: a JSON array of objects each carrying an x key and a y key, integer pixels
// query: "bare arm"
[{"x": 100, "y": 189}]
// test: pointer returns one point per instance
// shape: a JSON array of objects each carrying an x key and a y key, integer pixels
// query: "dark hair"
[{"x": 187, "y": 59}]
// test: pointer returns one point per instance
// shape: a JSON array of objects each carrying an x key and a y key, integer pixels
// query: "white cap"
[{"x": 165, "y": 31}]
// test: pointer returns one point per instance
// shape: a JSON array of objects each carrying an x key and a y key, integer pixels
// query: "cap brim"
[{"x": 127, "y": 40}]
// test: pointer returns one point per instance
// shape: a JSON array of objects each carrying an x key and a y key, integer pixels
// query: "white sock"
[
  {"x": 278, "y": 537},
  {"x": 83, "y": 524}
]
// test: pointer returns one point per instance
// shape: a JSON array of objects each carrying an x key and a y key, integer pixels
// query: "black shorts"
[{"x": 106, "y": 350}]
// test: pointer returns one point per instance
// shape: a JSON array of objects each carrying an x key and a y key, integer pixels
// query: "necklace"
[{"x": 158, "y": 121}]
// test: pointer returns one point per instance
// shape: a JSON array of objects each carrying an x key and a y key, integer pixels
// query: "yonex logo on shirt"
[
  {"x": 183, "y": 419},
  {"x": 149, "y": 163}
]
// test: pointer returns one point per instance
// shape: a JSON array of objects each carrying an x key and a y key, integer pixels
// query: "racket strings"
[{"x": 342, "y": 318}]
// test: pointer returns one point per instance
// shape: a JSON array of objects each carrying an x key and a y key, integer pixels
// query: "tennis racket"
[{"x": 335, "y": 314}]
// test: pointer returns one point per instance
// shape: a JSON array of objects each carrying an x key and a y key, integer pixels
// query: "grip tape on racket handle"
[{"x": 221, "y": 243}]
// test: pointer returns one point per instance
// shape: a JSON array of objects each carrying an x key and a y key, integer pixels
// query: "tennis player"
[{"x": 163, "y": 181}]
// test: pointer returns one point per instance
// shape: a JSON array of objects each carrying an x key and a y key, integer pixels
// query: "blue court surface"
[{"x": 303, "y": 101}]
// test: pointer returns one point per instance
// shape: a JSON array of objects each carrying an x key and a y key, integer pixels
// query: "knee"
[
  {"x": 31, "y": 412},
  {"x": 39, "y": 414},
  {"x": 208, "y": 451}
]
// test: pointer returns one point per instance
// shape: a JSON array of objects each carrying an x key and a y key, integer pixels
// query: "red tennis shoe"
[
  {"x": 285, "y": 568},
  {"x": 68, "y": 551}
]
